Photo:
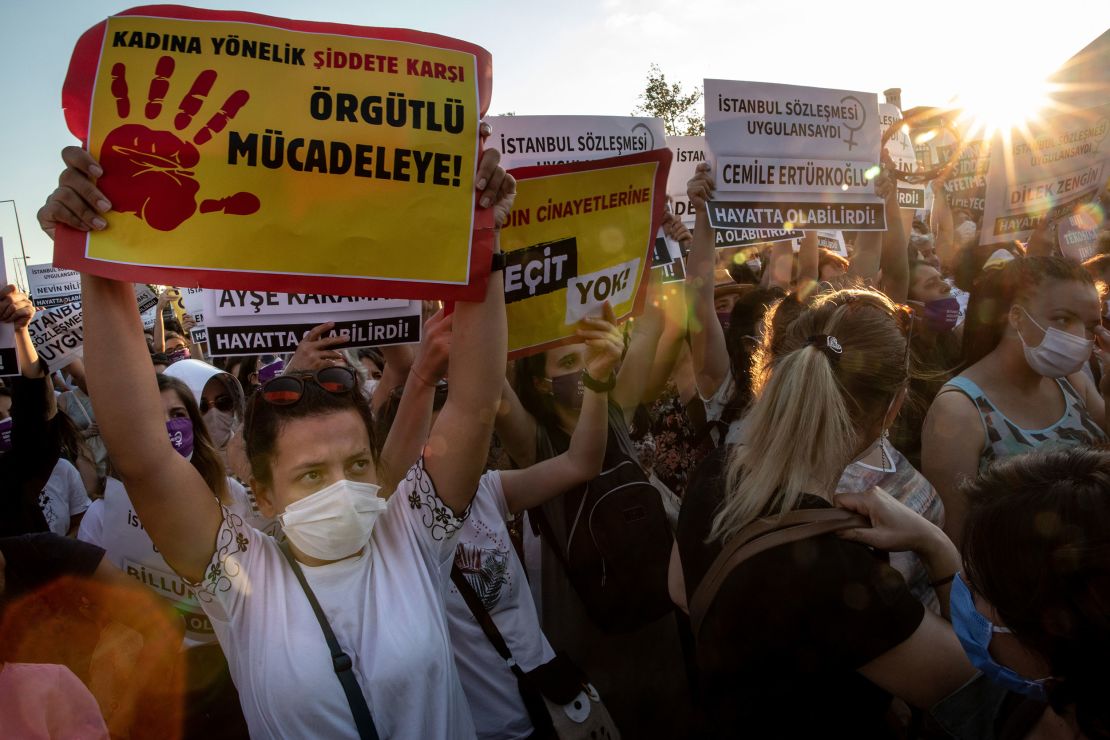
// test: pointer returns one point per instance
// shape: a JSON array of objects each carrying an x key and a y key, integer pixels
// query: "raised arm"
[
  {"x": 894, "y": 259},
  {"x": 635, "y": 371},
  {"x": 516, "y": 428},
  {"x": 532, "y": 486},
  {"x": 940, "y": 222},
  {"x": 809, "y": 271},
  {"x": 413, "y": 420},
  {"x": 458, "y": 445},
  {"x": 708, "y": 351},
  {"x": 158, "y": 331},
  {"x": 177, "y": 508},
  {"x": 398, "y": 362}
]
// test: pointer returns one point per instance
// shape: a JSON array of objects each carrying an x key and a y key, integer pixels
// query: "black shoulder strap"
[
  {"x": 533, "y": 699},
  {"x": 341, "y": 662}
]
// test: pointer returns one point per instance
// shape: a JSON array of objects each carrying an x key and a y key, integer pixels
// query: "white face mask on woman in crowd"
[
  {"x": 1059, "y": 354},
  {"x": 336, "y": 521}
]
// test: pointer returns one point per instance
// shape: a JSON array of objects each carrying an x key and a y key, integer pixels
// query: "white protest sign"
[
  {"x": 732, "y": 237},
  {"x": 1061, "y": 163},
  {"x": 533, "y": 140},
  {"x": 587, "y": 293},
  {"x": 192, "y": 300},
  {"x": 689, "y": 152},
  {"x": 51, "y": 286},
  {"x": 9, "y": 365},
  {"x": 59, "y": 334},
  {"x": 148, "y": 304},
  {"x": 234, "y": 327},
  {"x": 785, "y": 156},
  {"x": 901, "y": 151},
  {"x": 833, "y": 241}
]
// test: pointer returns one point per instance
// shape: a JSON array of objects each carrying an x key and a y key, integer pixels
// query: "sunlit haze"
[{"x": 582, "y": 57}]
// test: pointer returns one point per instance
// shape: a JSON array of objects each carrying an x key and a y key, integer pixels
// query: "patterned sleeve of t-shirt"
[
  {"x": 240, "y": 554},
  {"x": 432, "y": 522}
]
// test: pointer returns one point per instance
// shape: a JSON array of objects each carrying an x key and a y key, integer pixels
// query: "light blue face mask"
[{"x": 975, "y": 632}]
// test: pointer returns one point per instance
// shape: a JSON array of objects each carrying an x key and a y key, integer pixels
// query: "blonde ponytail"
[{"x": 813, "y": 407}]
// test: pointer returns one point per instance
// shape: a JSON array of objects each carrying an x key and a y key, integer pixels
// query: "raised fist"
[{"x": 149, "y": 171}]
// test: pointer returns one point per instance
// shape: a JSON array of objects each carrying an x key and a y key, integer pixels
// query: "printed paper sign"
[
  {"x": 786, "y": 157},
  {"x": 966, "y": 185},
  {"x": 59, "y": 334},
  {"x": 192, "y": 302},
  {"x": 1078, "y": 237},
  {"x": 579, "y": 235},
  {"x": 689, "y": 152},
  {"x": 250, "y": 152},
  {"x": 240, "y": 322},
  {"x": 734, "y": 237},
  {"x": 8, "y": 363},
  {"x": 900, "y": 148},
  {"x": 1060, "y": 164},
  {"x": 51, "y": 286},
  {"x": 525, "y": 141},
  {"x": 833, "y": 241}
]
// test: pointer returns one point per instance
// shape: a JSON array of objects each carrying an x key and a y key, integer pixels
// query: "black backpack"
[{"x": 618, "y": 544}]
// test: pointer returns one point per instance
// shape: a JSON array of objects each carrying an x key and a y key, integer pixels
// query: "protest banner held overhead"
[
  {"x": 1047, "y": 173},
  {"x": 901, "y": 151},
  {"x": 965, "y": 185},
  {"x": 241, "y": 322},
  {"x": 689, "y": 152},
  {"x": 51, "y": 286},
  {"x": 59, "y": 334},
  {"x": 250, "y": 152},
  {"x": 525, "y": 141},
  {"x": 579, "y": 236},
  {"x": 787, "y": 157},
  {"x": 1077, "y": 236},
  {"x": 8, "y": 363}
]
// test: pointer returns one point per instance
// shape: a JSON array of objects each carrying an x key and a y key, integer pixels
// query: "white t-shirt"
[
  {"x": 111, "y": 523},
  {"x": 64, "y": 496},
  {"x": 387, "y": 610},
  {"x": 486, "y": 557},
  {"x": 715, "y": 407}
]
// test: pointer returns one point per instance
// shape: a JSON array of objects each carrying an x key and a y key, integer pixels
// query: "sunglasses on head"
[
  {"x": 286, "y": 390},
  {"x": 222, "y": 403}
]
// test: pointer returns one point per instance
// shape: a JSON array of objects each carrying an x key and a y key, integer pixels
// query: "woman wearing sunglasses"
[{"x": 377, "y": 569}]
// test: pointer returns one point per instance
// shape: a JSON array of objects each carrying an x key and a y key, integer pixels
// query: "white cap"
[{"x": 196, "y": 374}]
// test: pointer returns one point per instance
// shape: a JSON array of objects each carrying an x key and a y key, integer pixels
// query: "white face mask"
[
  {"x": 369, "y": 386},
  {"x": 220, "y": 425},
  {"x": 336, "y": 521},
  {"x": 1059, "y": 354}
]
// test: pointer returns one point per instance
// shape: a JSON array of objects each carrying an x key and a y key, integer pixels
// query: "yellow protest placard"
[
  {"x": 259, "y": 152},
  {"x": 578, "y": 236}
]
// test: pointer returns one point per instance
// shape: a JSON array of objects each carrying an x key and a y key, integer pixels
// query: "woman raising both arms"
[{"x": 377, "y": 568}]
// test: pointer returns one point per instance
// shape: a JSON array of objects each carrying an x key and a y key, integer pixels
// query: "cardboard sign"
[
  {"x": 1045, "y": 175},
  {"x": 240, "y": 322},
  {"x": 1078, "y": 237},
  {"x": 51, "y": 286},
  {"x": 900, "y": 148},
  {"x": 251, "y": 152},
  {"x": 9, "y": 365},
  {"x": 192, "y": 301},
  {"x": 59, "y": 334},
  {"x": 966, "y": 185},
  {"x": 689, "y": 152},
  {"x": 526, "y": 141},
  {"x": 787, "y": 157},
  {"x": 580, "y": 235}
]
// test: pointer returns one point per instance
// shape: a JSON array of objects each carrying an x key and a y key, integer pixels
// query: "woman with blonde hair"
[{"x": 821, "y": 623}]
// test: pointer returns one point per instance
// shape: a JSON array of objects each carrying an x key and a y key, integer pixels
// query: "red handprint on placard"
[{"x": 149, "y": 172}]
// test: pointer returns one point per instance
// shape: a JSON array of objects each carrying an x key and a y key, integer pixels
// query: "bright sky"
[{"x": 586, "y": 57}]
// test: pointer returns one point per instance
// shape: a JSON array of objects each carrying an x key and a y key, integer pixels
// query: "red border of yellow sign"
[{"x": 77, "y": 94}]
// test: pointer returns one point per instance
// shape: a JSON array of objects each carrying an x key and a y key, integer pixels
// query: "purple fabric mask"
[
  {"x": 271, "y": 371},
  {"x": 725, "y": 317},
  {"x": 568, "y": 389},
  {"x": 181, "y": 435},
  {"x": 6, "y": 434},
  {"x": 942, "y": 314},
  {"x": 178, "y": 354}
]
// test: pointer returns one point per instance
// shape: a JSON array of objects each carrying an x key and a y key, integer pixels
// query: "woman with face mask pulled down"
[
  {"x": 342, "y": 630},
  {"x": 1032, "y": 325},
  {"x": 1029, "y": 603}
]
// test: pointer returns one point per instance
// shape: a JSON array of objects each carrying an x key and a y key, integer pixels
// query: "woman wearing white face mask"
[
  {"x": 1031, "y": 328},
  {"x": 376, "y": 574}
]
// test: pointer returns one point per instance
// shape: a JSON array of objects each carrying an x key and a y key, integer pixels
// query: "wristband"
[
  {"x": 599, "y": 386},
  {"x": 421, "y": 378},
  {"x": 943, "y": 581}
]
